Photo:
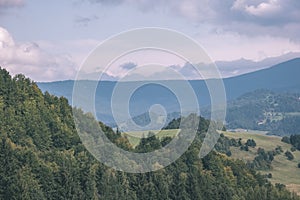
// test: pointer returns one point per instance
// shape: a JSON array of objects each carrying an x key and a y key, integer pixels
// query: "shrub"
[
  {"x": 278, "y": 150},
  {"x": 228, "y": 153},
  {"x": 251, "y": 143},
  {"x": 269, "y": 175},
  {"x": 289, "y": 155},
  {"x": 244, "y": 148},
  {"x": 293, "y": 149},
  {"x": 286, "y": 139}
]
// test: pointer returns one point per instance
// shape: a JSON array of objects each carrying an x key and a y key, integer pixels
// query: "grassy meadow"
[
  {"x": 284, "y": 171},
  {"x": 134, "y": 137}
]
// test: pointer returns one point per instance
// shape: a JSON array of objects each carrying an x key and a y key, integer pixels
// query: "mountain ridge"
[{"x": 280, "y": 77}]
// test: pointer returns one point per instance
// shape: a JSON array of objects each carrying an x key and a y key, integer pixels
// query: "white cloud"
[
  {"x": 229, "y": 46},
  {"x": 263, "y": 9},
  {"x": 29, "y": 59},
  {"x": 282, "y": 17},
  {"x": 78, "y": 49},
  {"x": 5, "y": 38},
  {"x": 228, "y": 30}
]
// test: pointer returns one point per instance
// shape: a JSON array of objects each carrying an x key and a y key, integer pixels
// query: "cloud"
[
  {"x": 264, "y": 17},
  {"x": 256, "y": 17},
  {"x": 188, "y": 71},
  {"x": 11, "y": 3},
  {"x": 5, "y": 38},
  {"x": 84, "y": 21},
  {"x": 268, "y": 12},
  {"x": 28, "y": 58},
  {"x": 5, "y": 5},
  {"x": 264, "y": 9},
  {"x": 128, "y": 66}
]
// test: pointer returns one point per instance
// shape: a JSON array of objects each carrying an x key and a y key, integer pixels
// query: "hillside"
[
  {"x": 281, "y": 77},
  {"x": 282, "y": 170},
  {"x": 42, "y": 157},
  {"x": 277, "y": 113}
]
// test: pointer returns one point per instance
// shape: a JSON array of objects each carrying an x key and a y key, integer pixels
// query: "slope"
[
  {"x": 42, "y": 157},
  {"x": 283, "y": 170}
]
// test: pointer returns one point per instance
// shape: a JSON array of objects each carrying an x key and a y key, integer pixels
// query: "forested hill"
[
  {"x": 277, "y": 113},
  {"x": 41, "y": 157}
]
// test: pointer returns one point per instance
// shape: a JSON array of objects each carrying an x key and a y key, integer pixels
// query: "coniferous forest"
[{"x": 42, "y": 157}]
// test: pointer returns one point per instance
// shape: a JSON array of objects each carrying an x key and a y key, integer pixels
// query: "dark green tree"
[{"x": 289, "y": 155}]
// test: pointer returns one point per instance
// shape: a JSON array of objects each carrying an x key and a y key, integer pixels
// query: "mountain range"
[
  {"x": 280, "y": 77},
  {"x": 243, "y": 66}
]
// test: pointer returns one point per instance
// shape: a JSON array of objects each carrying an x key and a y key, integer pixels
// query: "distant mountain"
[
  {"x": 243, "y": 66},
  {"x": 280, "y": 77}
]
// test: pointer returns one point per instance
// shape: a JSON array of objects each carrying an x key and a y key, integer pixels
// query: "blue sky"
[{"x": 48, "y": 40}]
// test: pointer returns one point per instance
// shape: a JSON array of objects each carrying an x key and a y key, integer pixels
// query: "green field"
[
  {"x": 134, "y": 137},
  {"x": 284, "y": 171}
]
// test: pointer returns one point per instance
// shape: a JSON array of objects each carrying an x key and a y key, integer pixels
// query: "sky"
[{"x": 49, "y": 40}]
